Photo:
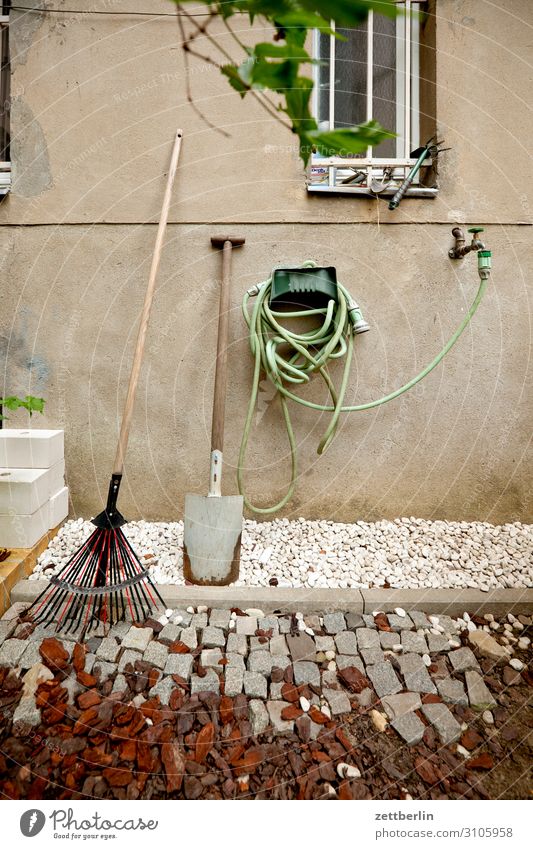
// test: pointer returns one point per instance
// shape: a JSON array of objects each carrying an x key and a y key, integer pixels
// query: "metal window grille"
[{"x": 373, "y": 74}]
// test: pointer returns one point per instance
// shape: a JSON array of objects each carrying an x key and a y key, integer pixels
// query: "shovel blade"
[{"x": 212, "y": 539}]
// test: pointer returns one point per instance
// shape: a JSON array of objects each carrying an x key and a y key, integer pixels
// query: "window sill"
[
  {"x": 413, "y": 192},
  {"x": 5, "y": 178}
]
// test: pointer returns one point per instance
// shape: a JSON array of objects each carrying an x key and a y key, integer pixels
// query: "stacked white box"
[
  {"x": 33, "y": 495},
  {"x": 30, "y": 449},
  {"x": 58, "y": 507}
]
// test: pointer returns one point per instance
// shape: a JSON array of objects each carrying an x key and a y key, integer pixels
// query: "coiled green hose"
[{"x": 309, "y": 353}]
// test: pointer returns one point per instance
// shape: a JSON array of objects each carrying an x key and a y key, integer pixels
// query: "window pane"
[
  {"x": 415, "y": 80},
  {"x": 323, "y": 81},
  {"x": 384, "y": 88},
  {"x": 350, "y": 77}
]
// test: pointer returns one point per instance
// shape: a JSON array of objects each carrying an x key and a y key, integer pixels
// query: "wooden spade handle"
[
  {"x": 227, "y": 243},
  {"x": 221, "y": 373},
  {"x": 118, "y": 465}
]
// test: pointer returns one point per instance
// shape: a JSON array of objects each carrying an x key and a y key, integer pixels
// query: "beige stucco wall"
[{"x": 95, "y": 104}]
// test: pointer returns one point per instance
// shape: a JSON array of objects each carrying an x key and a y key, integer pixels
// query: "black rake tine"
[{"x": 105, "y": 561}]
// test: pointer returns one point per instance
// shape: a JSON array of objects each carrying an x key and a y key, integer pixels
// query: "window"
[
  {"x": 380, "y": 71},
  {"x": 5, "y": 165}
]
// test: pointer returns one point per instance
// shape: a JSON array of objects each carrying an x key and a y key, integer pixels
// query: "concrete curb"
[{"x": 289, "y": 600}]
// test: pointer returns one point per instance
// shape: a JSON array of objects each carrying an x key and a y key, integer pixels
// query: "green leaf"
[
  {"x": 350, "y": 13},
  {"x": 235, "y": 79},
  {"x": 296, "y": 24},
  {"x": 30, "y": 403},
  {"x": 33, "y": 404},
  {"x": 11, "y": 402},
  {"x": 346, "y": 142},
  {"x": 297, "y": 108},
  {"x": 278, "y": 76},
  {"x": 265, "y": 50}
]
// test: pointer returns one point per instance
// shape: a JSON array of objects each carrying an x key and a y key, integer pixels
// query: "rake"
[{"x": 105, "y": 579}]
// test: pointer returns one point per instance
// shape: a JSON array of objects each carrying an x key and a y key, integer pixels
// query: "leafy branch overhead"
[{"x": 278, "y": 67}]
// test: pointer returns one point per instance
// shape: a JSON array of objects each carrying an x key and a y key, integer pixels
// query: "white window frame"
[
  {"x": 5, "y": 166},
  {"x": 408, "y": 101}
]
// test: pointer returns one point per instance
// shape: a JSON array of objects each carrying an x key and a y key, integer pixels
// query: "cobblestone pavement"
[{"x": 229, "y": 703}]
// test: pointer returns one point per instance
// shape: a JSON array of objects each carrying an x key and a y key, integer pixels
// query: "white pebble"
[
  {"x": 407, "y": 553},
  {"x": 516, "y": 664},
  {"x": 399, "y": 611},
  {"x": 168, "y": 613},
  {"x": 163, "y": 620},
  {"x": 305, "y": 704},
  {"x": 332, "y": 666},
  {"x": 462, "y": 751},
  {"x": 427, "y": 660},
  {"x": 190, "y": 610},
  {"x": 329, "y": 655},
  {"x": 345, "y": 770},
  {"x": 202, "y": 608},
  {"x": 487, "y": 717}
]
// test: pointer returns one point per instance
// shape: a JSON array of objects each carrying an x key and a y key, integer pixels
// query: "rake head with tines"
[{"x": 104, "y": 581}]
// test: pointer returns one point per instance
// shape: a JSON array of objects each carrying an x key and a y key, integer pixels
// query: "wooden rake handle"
[{"x": 118, "y": 465}]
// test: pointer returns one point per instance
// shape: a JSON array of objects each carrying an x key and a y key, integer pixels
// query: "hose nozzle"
[
  {"x": 484, "y": 263},
  {"x": 356, "y": 319}
]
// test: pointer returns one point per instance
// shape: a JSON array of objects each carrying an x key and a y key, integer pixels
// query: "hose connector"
[
  {"x": 484, "y": 264},
  {"x": 356, "y": 319},
  {"x": 254, "y": 290}
]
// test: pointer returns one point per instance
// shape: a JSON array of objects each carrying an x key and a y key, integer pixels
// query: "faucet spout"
[{"x": 461, "y": 249}]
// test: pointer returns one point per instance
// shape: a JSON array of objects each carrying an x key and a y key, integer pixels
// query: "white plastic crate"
[
  {"x": 23, "y": 491},
  {"x": 58, "y": 508},
  {"x": 30, "y": 449},
  {"x": 23, "y": 531}
]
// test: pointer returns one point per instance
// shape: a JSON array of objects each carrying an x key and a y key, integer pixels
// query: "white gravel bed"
[{"x": 404, "y": 553}]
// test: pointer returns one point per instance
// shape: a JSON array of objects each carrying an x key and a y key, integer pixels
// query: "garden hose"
[{"x": 310, "y": 353}]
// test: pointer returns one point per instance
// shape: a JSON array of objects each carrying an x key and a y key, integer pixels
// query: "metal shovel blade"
[{"x": 212, "y": 539}]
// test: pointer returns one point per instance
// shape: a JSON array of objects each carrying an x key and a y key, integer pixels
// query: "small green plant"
[{"x": 30, "y": 403}]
